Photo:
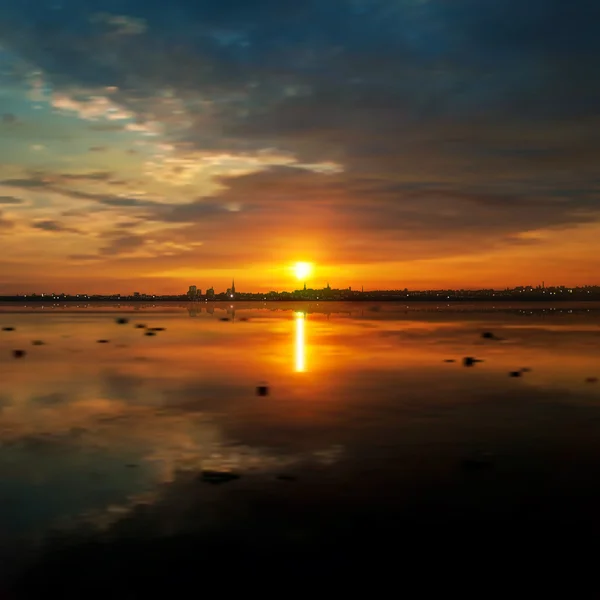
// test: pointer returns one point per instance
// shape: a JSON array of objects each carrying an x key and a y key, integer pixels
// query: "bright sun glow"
[{"x": 302, "y": 270}]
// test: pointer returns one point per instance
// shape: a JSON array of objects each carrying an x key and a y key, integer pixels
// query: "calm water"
[{"x": 365, "y": 428}]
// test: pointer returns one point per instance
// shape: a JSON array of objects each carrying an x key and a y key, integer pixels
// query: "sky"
[{"x": 148, "y": 146}]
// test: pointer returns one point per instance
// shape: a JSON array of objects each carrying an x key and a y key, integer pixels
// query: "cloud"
[
  {"x": 10, "y": 200},
  {"x": 127, "y": 202},
  {"x": 120, "y": 24},
  {"x": 5, "y": 224},
  {"x": 54, "y": 226},
  {"x": 83, "y": 257},
  {"x": 60, "y": 183},
  {"x": 91, "y": 108},
  {"x": 52, "y": 399},
  {"x": 94, "y": 176},
  {"x": 33, "y": 182},
  {"x": 108, "y": 199},
  {"x": 192, "y": 212},
  {"x": 107, "y": 127},
  {"x": 369, "y": 209},
  {"x": 123, "y": 244}
]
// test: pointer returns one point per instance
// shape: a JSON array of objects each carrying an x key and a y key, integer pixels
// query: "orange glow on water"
[{"x": 300, "y": 354}]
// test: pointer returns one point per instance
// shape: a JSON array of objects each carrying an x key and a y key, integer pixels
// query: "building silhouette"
[{"x": 231, "y": 290}]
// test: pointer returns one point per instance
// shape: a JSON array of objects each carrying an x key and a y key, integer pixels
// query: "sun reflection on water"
[{"x": 300, "y": 346}]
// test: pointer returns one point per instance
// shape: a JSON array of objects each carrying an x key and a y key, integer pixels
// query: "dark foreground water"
[{"x": 150, "y": 462}]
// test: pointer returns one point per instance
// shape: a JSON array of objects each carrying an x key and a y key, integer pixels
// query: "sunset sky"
[{"x": 149, "y": 145}]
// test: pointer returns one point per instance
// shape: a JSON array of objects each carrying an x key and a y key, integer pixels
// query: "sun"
[{"x": 302, "y": 270}]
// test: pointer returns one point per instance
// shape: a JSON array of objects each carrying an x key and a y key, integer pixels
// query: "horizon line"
[{"x": 308, "y": 289}]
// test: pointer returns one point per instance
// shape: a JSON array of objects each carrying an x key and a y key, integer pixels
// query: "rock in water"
[
  {"x": 488, "y": 335},
  {"x": 262, "y": 390},
  {"x": 19, "y": 353},
  {"x": 218, "y": 477},
  {"x": 122, "y": 321}
]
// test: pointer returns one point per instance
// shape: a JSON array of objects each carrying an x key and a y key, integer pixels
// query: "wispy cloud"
[
  {"x": 10, "y": 200},
  {"x": 54, "y": 227},
  {"x": 120, "y": 24}
]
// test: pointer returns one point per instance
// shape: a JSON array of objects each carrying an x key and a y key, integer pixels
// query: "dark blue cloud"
[{"x": 463, "y": 52}]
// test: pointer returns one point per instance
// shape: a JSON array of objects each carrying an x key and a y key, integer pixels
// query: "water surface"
[{"x": 367, "y": 425}]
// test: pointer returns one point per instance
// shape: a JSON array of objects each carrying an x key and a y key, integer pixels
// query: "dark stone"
[
  {"x": 156, "y": 329},
  {"x": 19, "y": 353},
  {"x": 515, "y": 374},
  {"x": 150, "y": 333},
  {"x": 218, "y": 477},
  {"x": 37, "y": 343},
  {"x": 122, "y": 321},
  {"x": 469, "y": 361},
  {"x": 8, "y": 329},
  {"x": 224, "y": 319},
  {"x": 262, "y": 390},
  {"x": 488, "y": 335},
  {"x": 140, "y": 326},
  {"x": 449, "y": 360},
  {"x": 102, "y": 341}
]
